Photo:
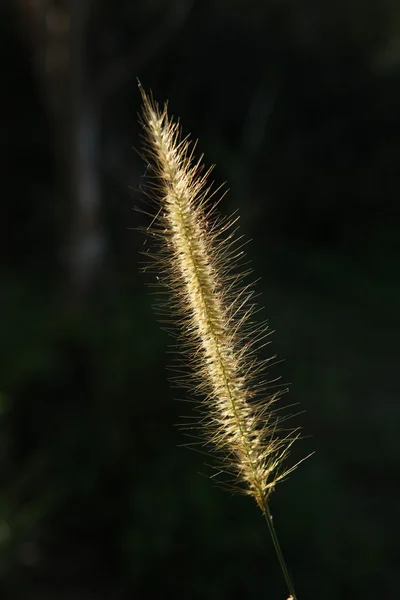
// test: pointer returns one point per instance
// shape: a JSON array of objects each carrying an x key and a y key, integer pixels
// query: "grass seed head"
[{"x": 211, "y": 306}]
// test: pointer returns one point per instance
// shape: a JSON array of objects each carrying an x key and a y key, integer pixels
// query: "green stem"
[{"x": 278, "y": 550}]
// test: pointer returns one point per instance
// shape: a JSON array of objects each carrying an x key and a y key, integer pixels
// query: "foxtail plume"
[{"x": 199, "y": 262}]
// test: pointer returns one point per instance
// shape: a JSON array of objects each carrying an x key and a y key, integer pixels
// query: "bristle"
[{"x": 200, "y": 259}]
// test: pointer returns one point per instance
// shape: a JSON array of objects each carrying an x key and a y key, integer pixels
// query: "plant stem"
[{"x": 268, "y": 517}]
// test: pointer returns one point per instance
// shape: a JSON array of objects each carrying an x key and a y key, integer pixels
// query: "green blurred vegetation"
[{"x": 297, "y": 104}]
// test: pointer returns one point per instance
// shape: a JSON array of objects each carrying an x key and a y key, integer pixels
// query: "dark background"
[{"x": 297, "y": 102}]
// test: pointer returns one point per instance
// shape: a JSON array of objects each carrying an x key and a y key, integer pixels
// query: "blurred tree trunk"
[
  {"x": 86, "y": 243},
  {"x": 58, "y": 31}
]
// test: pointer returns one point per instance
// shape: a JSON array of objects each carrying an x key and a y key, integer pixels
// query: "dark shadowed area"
[{"x": 297, "y": 103}]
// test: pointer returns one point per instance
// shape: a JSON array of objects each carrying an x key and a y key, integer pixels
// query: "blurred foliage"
[{"x": 297, "y": 104}]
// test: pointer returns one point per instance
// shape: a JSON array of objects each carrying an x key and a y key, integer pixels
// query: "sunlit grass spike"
[{"x": 200, "y": 266}]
